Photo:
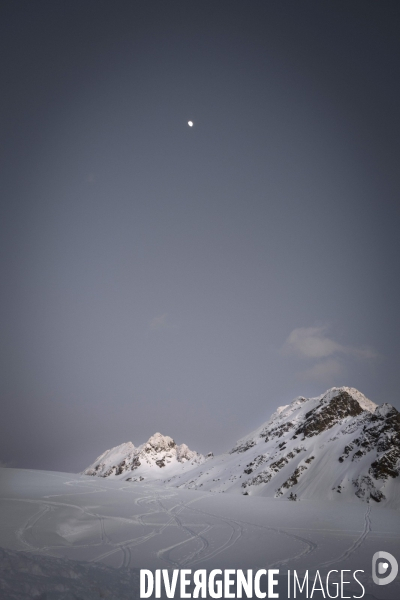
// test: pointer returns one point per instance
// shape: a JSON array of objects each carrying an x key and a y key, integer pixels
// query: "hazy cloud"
[
  {"x": 314, "y": 342},
  {"x": 159, "y": 322},
  {"x": 310, "y": 342},
  {"x": 329, "y": 358}
]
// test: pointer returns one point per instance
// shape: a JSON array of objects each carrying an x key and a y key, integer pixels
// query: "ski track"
[
  {"x": 235, "y": 526},
  {"x": 164, "y": 553},
  {"x": 27, "y": 528},
  {"x": 124, "y": 547},
  {"x": 153, "y": 504},
  {"x": 356, "y": 544},
  {"x": 310, "y": 546}
]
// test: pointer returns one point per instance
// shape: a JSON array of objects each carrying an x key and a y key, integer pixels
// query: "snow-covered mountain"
[
  {"x": 338, "y": 445},
  {"x": 158, "y": 457}
]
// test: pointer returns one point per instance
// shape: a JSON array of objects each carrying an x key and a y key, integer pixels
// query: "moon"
[{"x": 190, "y": 123}]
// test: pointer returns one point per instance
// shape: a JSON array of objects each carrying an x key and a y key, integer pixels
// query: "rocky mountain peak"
[
  {"x": 337, "y": 445},
  {"x": 353, "y": 393},
  {"x": 159, "y": 443},
  {"x": 145, "y": 461},
  {"x": 328, "y": 412}
]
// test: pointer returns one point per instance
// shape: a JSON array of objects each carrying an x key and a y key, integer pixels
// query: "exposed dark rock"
[
  {"x": 325, "y": 416},
  {"x": 243, "y": 447},
  {"x": 381, "y": 432},
  {"x": 367, "y": 489},
  {"x": 277, "y": 431},
  {"x": 292, "y": 480}
]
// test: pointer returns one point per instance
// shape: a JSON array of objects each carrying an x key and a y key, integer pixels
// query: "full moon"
[{"x": 190, "y": 123}]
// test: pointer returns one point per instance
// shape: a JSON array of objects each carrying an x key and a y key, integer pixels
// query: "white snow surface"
[{"x": 65, "y": 536}]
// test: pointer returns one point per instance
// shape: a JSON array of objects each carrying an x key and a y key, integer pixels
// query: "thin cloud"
[
  {"x": 328, "y": 358},
  {"x": 310, "y": 342},
  {"x": 314, "y": 343}
]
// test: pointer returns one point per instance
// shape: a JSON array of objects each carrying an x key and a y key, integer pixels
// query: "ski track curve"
[
  {"x": 356, "y": 544},
  {"x": 164, "y": 553},
  {"x": 235, "y": 526},
  {"x": 45, "y": 506},
  {"x": 153, "y": 503},
  {"x": 27, "y": 529},
  {"x": 309, "y": 545},
  {"x": 124, "y": 546}
]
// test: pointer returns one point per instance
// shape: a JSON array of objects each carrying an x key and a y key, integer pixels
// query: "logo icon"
[{"x": 384, "y": 563}]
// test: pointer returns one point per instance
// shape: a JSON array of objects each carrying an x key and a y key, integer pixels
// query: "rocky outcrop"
[
  {"x": 145, "y": 461},
  {"x": 326, "y": 415}
]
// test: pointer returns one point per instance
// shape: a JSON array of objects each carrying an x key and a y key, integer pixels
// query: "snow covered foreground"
[{"x": 67, "y": 536}]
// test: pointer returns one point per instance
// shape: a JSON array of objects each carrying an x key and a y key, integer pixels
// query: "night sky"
[{"x": 157, "y": 277}]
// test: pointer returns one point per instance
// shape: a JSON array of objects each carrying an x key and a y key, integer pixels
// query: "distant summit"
[
  {"x": 156, "y": 458},
  {"x": 338, "y": 445}
]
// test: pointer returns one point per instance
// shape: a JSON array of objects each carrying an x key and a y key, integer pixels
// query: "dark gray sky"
[{"x": 156, "y": 277}]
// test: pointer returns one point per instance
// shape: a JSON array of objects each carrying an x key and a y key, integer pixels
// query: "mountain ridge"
[
  {"x": 339, "y": 445},
  {"x": 145, "y": 461}
]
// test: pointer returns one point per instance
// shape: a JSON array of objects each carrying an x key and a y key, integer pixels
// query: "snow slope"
[
  {"x": 338, "y": 446},
  {"x": 79, "y": 535},
  {"x": 24, "y": 576},
  {"x": 156, "y": 458}
]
